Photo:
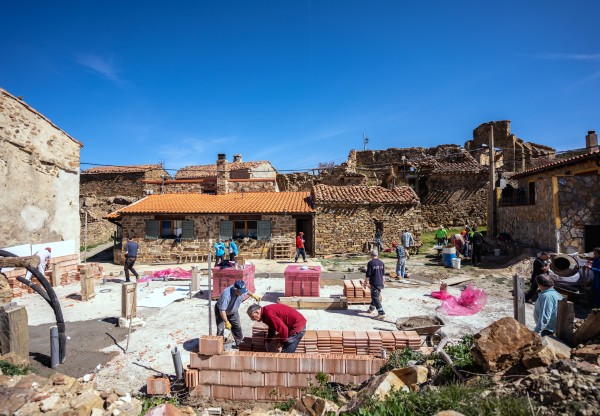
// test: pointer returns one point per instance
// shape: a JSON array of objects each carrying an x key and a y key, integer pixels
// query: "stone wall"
[
  {"x": 455, "y": 201},
  {"x": 253, "y": 186},
  {"x": 587, "y": 166},
  {"x": 39, "y": 177},
  {"x": 346, "y": 229},
  {"x": 531, "y": 224},
  {"x": 579, "y": 205},
  {"x": 112, "y": 184},
  {"x": 206, "y": 227}
]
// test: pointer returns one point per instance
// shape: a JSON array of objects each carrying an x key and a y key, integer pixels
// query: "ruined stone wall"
[
  {"x": 39, "y": 177},
  {"x": 206, "y": 227},
  {"x": 579, "y": 205},
  {"x": 182, "y": 187},
  {"x": 531, "y": 224},
  {"x": 455, "y": 201},
  {"x": 303, "y": 181},
  {"x": 112, "y": 184},
  {"x": 346, "y": 229},
  {"x": 252, "y": 186}
]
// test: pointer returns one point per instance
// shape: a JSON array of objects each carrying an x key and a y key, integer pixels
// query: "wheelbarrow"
[{"x": 428, "y": 327}]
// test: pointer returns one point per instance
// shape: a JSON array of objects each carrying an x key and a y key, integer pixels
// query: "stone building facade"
[
  {"x": 39, "y": 177},
  {"x": 347, "y": 216},
  {"x": 104, "y": 189}
]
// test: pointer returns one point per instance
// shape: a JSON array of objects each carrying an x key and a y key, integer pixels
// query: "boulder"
[
  {"x": 589, "y": 353},
  {"x": 412, "y": 376},
  {"x": 314, "y": 406},
  {"x": 503, "y": 344},
  {"x": 378, "y": 388}
]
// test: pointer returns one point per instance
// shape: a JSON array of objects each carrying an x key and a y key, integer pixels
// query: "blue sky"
[{"x": 298, "y": 82}]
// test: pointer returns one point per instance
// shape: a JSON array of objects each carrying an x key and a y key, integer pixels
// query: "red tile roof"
[
  {"x": 557, "y": 164},
  {"x": 233, "y": 203},
  {"x": 122, "y": 169},
  {"x": 202, "y": 171},
  {"x": 362, "y": 195}
]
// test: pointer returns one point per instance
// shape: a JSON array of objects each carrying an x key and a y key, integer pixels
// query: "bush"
[
  {"x": 462, "y": 358},
  {"x": 9, "y": 369},
  {"x": 400, "y": 359}
]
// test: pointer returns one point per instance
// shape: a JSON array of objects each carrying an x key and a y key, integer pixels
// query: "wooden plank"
[
  {"x": 456, "y": 280},
  {"x": 589, "y": 329},
  {"x": 564, "y": 321},
  {"x": 307, "y": 302},
  {"x": 519, "y": 298}
]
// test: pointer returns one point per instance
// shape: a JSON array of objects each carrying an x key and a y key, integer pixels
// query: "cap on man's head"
[
  {"x": 374, "y": 253},
  {"x": 394, "y": 244},
  {"x": 241, "y": 286},
  {"x": 300, "y": 233},
  {"x": 49, "y": 249}
]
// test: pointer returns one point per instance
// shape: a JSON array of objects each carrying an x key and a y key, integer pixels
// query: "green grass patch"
[{"x": 9, "y": 369}]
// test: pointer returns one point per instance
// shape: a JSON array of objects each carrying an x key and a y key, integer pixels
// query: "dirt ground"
[{"x": 95, "y": 339}]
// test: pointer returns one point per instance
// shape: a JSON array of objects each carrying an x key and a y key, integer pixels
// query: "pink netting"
[
  {"x": 174, "y": 274},
  {"x": 441, "y": 294},
  {"x": 470, "y": 301}
]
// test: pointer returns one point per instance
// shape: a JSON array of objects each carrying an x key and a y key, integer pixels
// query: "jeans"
[
  {"x": 375, "y": 302},
  {"x": 219, "y": 259},
  {"x": 401, "y": 267},
  {"x": 290, "y": 344},
  {"x": 236, "y": 328},
  {"x": 300, "y": 252},
  {"x": 129, "y": 262}
]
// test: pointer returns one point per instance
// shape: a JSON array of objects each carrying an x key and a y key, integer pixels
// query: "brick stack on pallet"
[
  {"x": 356, "y": 293},
  {"x": 223, "y": 278},
  {"x": 299, "y": 282},
  {"x": 271, "y": 376}
]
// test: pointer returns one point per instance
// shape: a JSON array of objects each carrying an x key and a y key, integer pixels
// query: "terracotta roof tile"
[
  {"x": 202, "y": 171},
  {"x": 233, "y": 203},
  {"x": 557, "y": 164},
  {"x": 122, "y": 169},
  {"x": 359, "y": 195}
]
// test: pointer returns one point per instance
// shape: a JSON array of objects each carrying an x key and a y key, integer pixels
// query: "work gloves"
[
  {"x": 227, "y": 325},
  {"x": 255, "y": 297}
]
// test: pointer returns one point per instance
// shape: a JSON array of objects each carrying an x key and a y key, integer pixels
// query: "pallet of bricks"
[
  {"x": 356, "y": 293},
  {"x": 65, "y": 268},
  {"x": 340, "y": 342},
  {"x": 223, "y": 278},
  {"x": 302, "y": 282},
  {"x": 263, "y": 376}
]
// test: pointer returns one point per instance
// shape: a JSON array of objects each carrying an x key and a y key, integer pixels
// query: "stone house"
[
  {"x": 256, "y": 220},
  {"x": 39, "y": 177},
  {"x": 223, "y": 177},
  {"x": 346, "y": 217},
  {"x": 104, "y": 189},
  {"x": 555, "y": 206}
]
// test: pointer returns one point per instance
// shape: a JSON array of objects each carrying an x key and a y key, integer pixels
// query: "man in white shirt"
[{"x": 44, "y": 256}]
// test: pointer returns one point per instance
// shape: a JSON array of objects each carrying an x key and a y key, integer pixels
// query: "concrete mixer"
[{"x": 567, "y": 274}]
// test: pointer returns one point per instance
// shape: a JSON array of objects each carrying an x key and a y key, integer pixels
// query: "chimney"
[
  {"x": 591, "y": 141},
  {"x": 222, "y": 174},
  {"x": 237, "y": 158}
]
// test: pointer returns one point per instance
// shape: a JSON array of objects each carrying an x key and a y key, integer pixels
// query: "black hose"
[
  {"x": 36, "y": 288},
  {"x": 54, "y": 303}
]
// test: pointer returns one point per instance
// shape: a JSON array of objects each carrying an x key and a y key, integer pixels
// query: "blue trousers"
[
  {"x": 290, "y": 344},
  {"x": 401, "y": 267},
  {"x": 375, "y": 302}
]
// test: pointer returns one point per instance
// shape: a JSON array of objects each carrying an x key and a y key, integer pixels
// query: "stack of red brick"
[
  {"x": 302, "y": 282},
  {"x": 269, "y": 376},
  {"x": 340, "y": 342},
  {"x": 356, "y": 293},
  {"x": 223, "y": 278},
  {"x": 67, "y": 272}
]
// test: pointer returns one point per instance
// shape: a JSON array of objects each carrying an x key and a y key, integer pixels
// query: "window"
[
  {"x": 239, "y": 229},
  {"x": 169, "y": 229},
  {"x": 531, "y": 193}
]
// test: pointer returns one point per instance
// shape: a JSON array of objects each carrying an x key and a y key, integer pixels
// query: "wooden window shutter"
[
  {"x": 187, "y": 230},
  {"x": 225, "y": 230},
  {"x": 264, "y": 230},
  {"x": 152, "y": 229}
]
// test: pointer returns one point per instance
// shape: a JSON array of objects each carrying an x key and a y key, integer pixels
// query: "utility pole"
[
  {"x": 365, "y": 141},
  {"x": 492, "y": 191}
]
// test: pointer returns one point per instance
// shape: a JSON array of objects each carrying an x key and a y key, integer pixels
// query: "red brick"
[
  {"x": 244, "y": 393},
  {"x": 334, "y": 365},
  {"x": 202, "y": 390},
  {"x": 158, "y": 385},
  {"x": 358, "y": 365},
  {"x": 223, "y": 362},
  {"x": 276, "y": 379},
  {"x": 200, "y": 361},
  {"x": 299, "y": 379},
  {"x": 209, "y": 377},
  {"x": 253, "y": 378},
  {"x": 287, "y": 363},
  {"x": 231, "y": 378},
  {"x": 285, "y": 393},
  {"x": 210, "y": 345},
  {"x": 222, "y": 392},
  {"x": 265, "y": 362},
  {"x": 266, "y": 394},
  {"x": 245, "y": 361},
  {"x": 310, "y": 364},
  {"x": 344, "y": 378},
  {"x": 191, "y": 378}
]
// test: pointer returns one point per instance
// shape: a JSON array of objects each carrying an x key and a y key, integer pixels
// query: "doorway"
[
  {"x": 591, "y": 237},
  {"x": 305, "y": 225}
]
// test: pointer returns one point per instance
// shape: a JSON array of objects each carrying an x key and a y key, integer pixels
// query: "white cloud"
[
  {"x": 100, "y": 65},
  {"x": 569, "y": 56}
]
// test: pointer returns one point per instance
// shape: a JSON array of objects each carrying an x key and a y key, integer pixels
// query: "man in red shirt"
[
  {"x": 300, "y": 247},
  {"x": 289, "y": 324}
]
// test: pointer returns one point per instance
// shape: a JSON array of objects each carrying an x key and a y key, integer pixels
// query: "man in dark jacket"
[
  {"x": 286, "y": 321},
  {"x": 375, "y": 273},
  {"x": 540, "y": 266},
  {"x": 131, "y": 252}
]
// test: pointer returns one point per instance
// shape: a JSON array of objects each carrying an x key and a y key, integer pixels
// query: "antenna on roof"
[{"x": 365, "y": 141}]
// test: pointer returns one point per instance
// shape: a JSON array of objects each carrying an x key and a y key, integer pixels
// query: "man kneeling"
[{"x": 289, "y": 324}]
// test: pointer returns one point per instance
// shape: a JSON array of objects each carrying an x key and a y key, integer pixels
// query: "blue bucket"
[{"x": 449, "y": 253}]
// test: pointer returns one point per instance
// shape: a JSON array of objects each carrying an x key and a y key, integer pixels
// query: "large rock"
[
  {"x": 589, "y": 353},
  {"x": 503, "y": 344},
  {"x": 412, "y": 376},
  {"x": 378, "y": 388},
  {"x": 562, "y": 350},
  {"x": 540, "y": 358},
  {"x": 314, "y": 406}
]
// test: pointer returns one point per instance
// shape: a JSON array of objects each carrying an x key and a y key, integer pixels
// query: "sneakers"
[
  {"x": 370, "y": 310},
  {"x": 380, "y": 317}
]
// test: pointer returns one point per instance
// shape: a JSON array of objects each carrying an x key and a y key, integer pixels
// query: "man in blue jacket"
[
  {"x": 595, "y": 268},
  {"x": 219, "y": 252},
  {"x": 233, "y": 249},
  {"x": 546, "y": 306},
  {"x": 226, "y": 310}
]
